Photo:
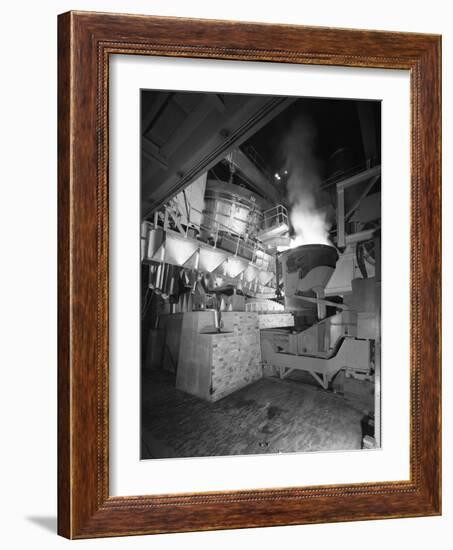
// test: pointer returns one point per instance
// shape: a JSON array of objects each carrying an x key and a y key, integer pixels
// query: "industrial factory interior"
[{"x": 260, "y": 274}]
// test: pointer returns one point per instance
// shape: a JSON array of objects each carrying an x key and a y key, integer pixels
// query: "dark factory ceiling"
[
  {"x": 323, "y": 126},
  {"x": 182, "y": 139},
  {"x": 185, "y": 134}
]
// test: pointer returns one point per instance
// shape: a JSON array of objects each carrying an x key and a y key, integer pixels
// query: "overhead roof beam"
[
  {"x": 211, "y": 140},
  {"x": 254, "y": 176}
]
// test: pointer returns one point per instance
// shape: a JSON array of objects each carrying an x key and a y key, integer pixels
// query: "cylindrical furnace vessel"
[{"x": 305, "y": 271}]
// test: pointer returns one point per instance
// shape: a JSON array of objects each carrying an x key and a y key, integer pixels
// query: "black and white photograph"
[{"x": 260, "y": 244}]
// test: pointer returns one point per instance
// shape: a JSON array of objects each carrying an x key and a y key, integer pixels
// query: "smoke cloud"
[{"x": 309, "y": 220}]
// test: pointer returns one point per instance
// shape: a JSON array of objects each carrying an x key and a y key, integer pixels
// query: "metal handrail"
[
  {"x": 273, "y": 216},
  {"x": 255, "y": 251},
  {"x": 278, "y": 213}
]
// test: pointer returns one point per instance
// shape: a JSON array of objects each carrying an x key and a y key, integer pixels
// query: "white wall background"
[{"x": 28, "y": 215}]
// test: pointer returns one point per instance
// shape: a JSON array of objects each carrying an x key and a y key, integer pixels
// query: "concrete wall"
[
  {"x": 236, "y": 356},
  {"x": 193, "y": 373},
  {"x": 214, "y": 364}
]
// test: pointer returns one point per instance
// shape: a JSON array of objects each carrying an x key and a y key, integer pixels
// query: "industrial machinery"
[
  {"x": 260, "y": 247},
  {"x": 223, "y": 244},
  {"x": 207, "y": 243},
  {"x": 330, "y": 334},
  {"x": 214, "y": 247},
  {"x": 334, "y": 295}
]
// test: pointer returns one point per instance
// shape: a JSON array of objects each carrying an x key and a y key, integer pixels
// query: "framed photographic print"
[{"x": 249, "y": 275}]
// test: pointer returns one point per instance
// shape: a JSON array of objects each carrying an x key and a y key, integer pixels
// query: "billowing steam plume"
[{"x": 309, "y": 222}]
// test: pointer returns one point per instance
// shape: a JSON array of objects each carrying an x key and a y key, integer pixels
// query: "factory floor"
[{"x": 268, "y": 416}]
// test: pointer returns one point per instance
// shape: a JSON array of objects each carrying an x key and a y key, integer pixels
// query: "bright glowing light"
[{"x": 310, "y": 225}]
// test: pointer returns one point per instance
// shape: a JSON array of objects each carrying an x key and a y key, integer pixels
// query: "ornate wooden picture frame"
[{"x": 86, "y": 41}]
